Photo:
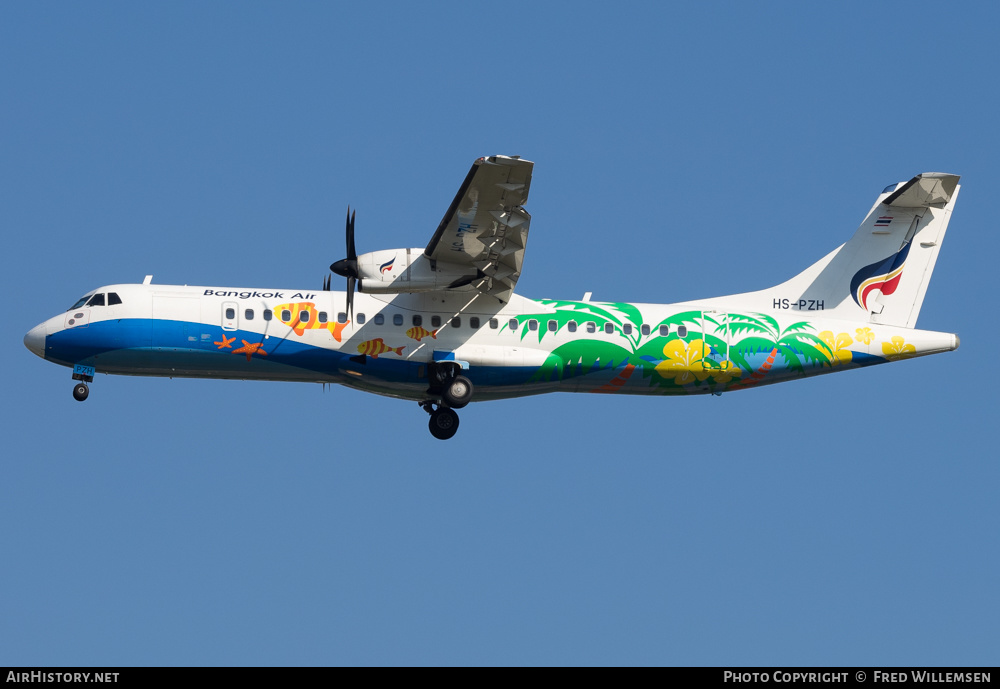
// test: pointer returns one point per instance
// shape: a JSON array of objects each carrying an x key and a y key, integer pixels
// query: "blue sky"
[{"x": 680, "y": 152}]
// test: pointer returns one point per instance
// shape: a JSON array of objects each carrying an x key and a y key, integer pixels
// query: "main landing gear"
[
  {"x": 443, "y": 422},
  {"x": 451, "y": 391}
]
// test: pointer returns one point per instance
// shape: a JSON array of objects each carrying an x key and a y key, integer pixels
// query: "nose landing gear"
[
  {"x": 80, "y": 392},
  {"x": 83, "y": 375}
]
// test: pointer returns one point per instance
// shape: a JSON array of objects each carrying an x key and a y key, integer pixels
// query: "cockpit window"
[
  {"x": 113, "y": 299},
  {"x": 96, "y": 300},
  {"x": 79, "y": 302}
]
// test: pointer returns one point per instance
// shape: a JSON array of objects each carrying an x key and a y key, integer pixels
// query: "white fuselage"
[{"x": 518, "y": 348}]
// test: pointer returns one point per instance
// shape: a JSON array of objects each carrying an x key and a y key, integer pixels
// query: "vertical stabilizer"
[{"x": 881, "y": 274}]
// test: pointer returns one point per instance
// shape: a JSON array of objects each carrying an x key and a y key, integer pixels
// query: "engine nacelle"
[{"x": 397, "y": 271}]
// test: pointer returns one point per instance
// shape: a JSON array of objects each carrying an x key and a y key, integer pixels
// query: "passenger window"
[
  {"x": 379, "y": 319},
  {"x": 456, "y": 322},
  {"x": 341, "y": 317},
  {"x": 230, "y": 314},
  {"x": 248, "y": 314},
  {"x": 591, "y": 327},
  {"x": 682, "y": 331},
  {"x": 435, "y": 321},
  {"x": 609, "y": 328},
  {"x": 645, "y": 329},
  {"x": 664, "y": 330},
  {"x": 626, "y": 329},
  {"x": 96, "y": 300},
  {"x": 494, "y": 324},
  {"x": 267, "y": 314},
  {"x": 474, "y": 323},
  {"x": 304, "y": 316},
  {"x": 512, "y": 324},
  {"x": 418, "y": 321},
  {"x": 571, "y": 326},
  {"x": 113, "y": 299},
  {"x": 532, "y": 325},
  {"x": 360, "y": 318},
  {"x": 322, "y": 317},
  {"x": 553, "y": 326},
  {"x": 286, "y": 315},
  {"x": 397, "y": 319}
]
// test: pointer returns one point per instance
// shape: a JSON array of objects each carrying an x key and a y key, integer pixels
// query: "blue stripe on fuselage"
[{"x": 182, "y": 348}]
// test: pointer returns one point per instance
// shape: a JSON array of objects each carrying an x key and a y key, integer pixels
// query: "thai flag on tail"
[{"x": 883, "y": 221}]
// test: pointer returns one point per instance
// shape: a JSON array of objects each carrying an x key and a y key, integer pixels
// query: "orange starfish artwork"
[
  {"x": 249, "y": 349},
  {"x": 226, "y": 341}
]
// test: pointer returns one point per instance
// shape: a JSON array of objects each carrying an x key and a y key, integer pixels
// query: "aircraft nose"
[{"x": 35, "y": 340}]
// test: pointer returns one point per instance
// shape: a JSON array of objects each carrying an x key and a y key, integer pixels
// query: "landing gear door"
[
  {"x": 715, "y": 329},
  {"x": 230, "y": 315}
]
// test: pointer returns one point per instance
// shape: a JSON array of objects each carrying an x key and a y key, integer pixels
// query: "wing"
[{"x": 486, "y": 227}]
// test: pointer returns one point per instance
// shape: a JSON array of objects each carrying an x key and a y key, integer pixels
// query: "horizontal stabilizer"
[{"x": 924, "y": 190}]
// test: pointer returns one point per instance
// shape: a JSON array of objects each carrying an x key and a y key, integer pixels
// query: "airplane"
[{"x": 442, "y": 326}]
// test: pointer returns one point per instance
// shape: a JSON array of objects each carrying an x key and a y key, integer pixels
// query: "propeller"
[{"x": 348, "y": 267}]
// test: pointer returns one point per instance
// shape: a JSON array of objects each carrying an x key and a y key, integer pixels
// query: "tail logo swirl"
[{"x": 882, "y": 275}]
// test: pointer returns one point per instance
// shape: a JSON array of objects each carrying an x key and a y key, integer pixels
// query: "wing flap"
[{"x": 486, "y": 226}]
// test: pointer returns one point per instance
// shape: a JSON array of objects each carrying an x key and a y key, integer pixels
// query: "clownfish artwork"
[
  {"x": 375, "y": 347},
  {"x": 302, "y": 316},
  {"x": 417, "y": 333}
]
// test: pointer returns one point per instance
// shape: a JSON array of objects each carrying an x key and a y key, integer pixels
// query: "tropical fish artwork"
[
  {"x": 375, "y": 347},
  {"x": 302, "y": 316},
  {"x": 417, "y": 333}
]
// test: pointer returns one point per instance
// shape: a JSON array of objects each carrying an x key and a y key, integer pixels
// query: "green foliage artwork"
[{"x": 689, "y": 351}]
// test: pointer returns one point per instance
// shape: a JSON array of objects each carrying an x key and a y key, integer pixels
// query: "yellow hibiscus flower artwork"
[
  {"x": 840, "y": 352},
  {"x": 864, "y": 335},
  {"x": 726, "y": 372},
  {"x": 897, "y": 349},
  {"x": 683, "y": 363}
]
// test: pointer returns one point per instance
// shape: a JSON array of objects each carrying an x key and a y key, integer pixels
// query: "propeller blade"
[
  {"x": 352, "y": 254},
  {"x": 348, "y": 267}
]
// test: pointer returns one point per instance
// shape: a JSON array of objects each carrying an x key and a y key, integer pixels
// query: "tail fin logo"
[
  {"x": 387, "y": 266},
  {"x": 882, "y": 275}
]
